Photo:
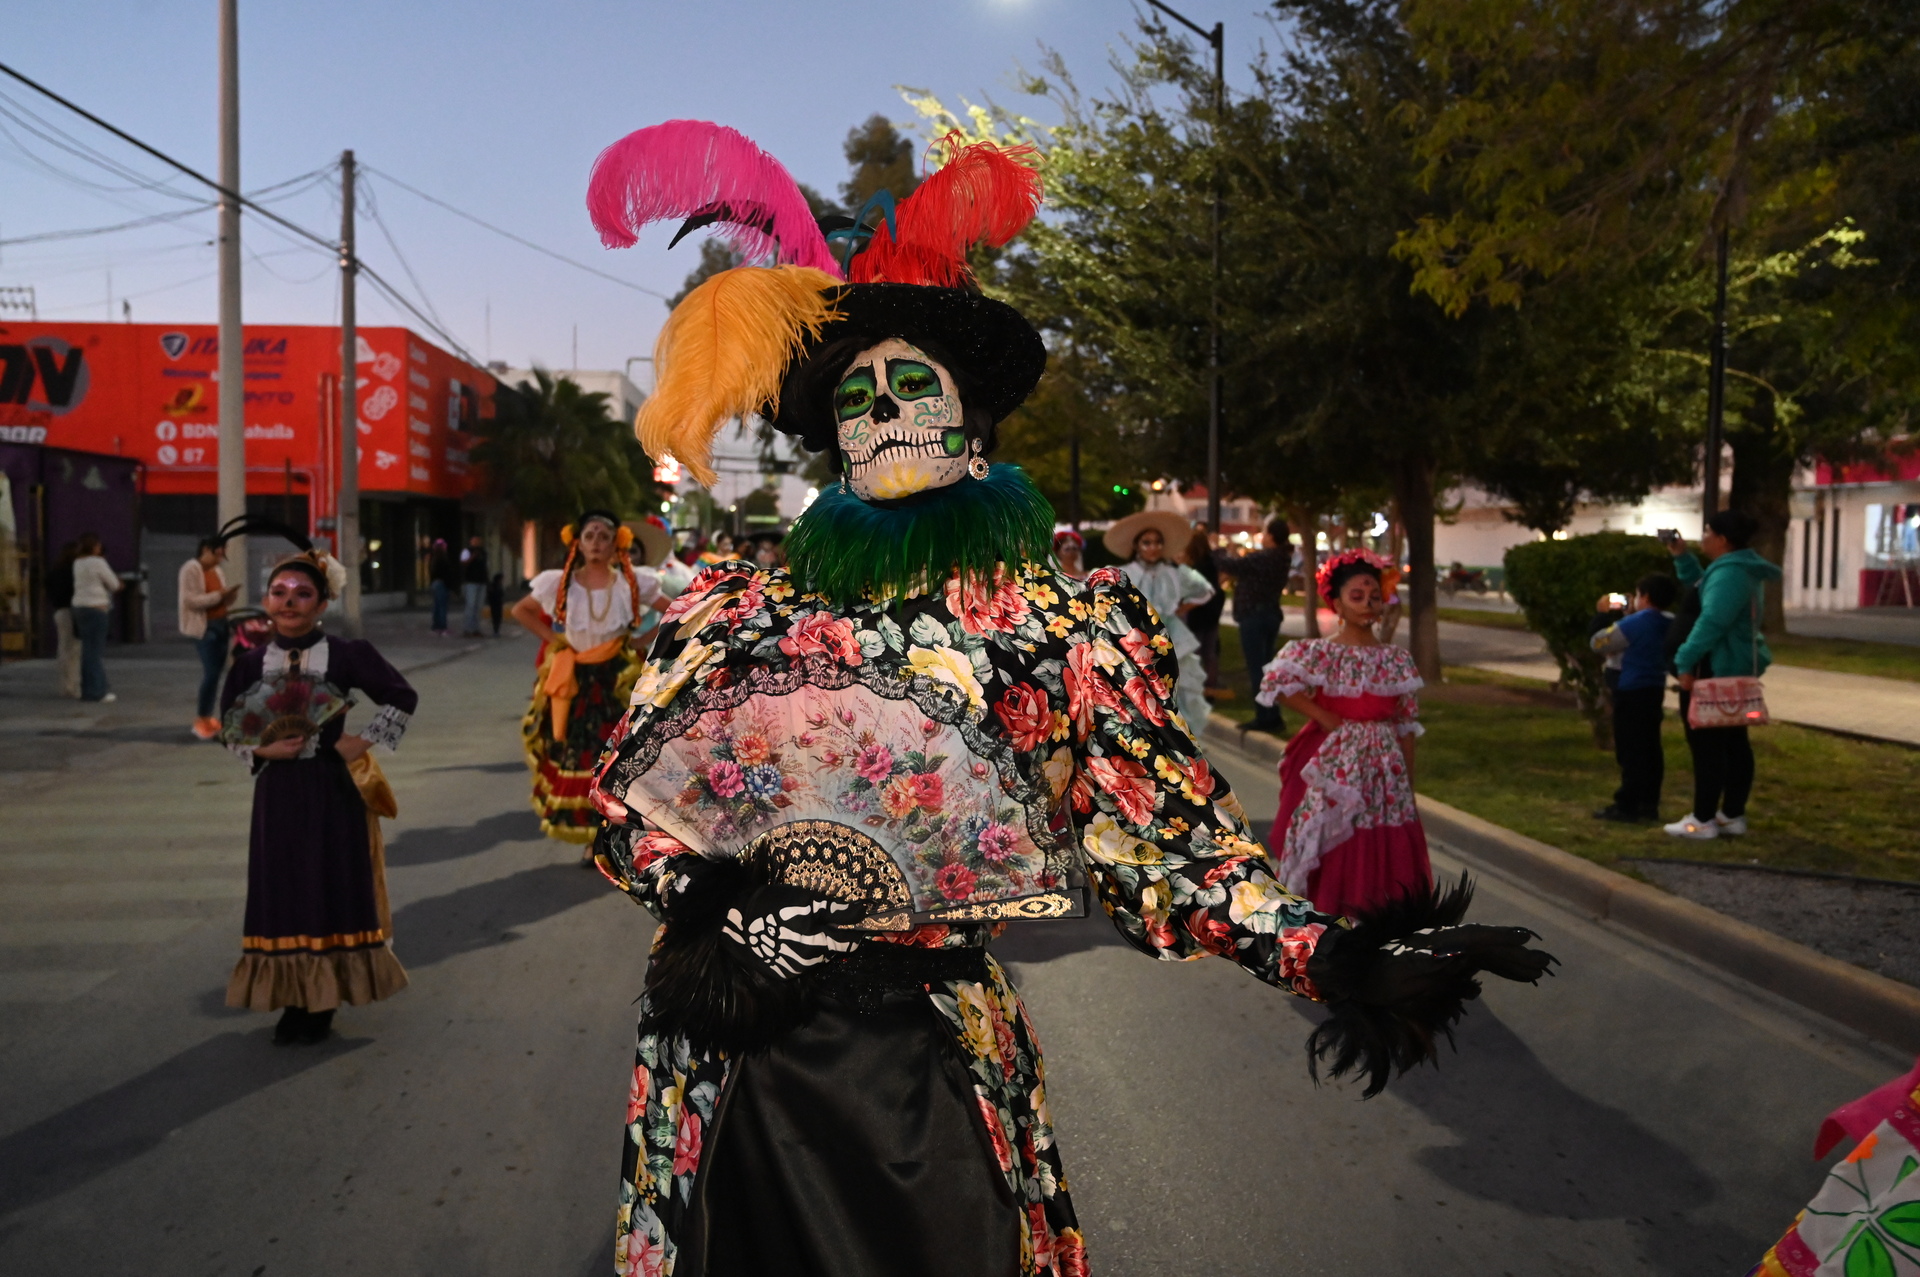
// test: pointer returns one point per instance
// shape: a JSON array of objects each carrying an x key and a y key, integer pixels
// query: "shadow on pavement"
[
  {"x": 485, "y": 914},
  {"x": 602, "y": 1262},
  {"x": 105, "y": 1132},
  {"x": 1044, "y": 941},
  {"x": 435, "y": 843},
  {"x": 1528, "y": 1141}
]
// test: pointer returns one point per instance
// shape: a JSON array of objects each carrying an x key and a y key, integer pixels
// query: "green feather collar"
[{"x": 847, "y": 548}]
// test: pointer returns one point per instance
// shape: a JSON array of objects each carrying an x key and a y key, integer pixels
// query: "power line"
[
  {"x": 138, "y": 222},
  {"x": 164, "y": 158},
  {"x": 373, "y": 207},
  {"x": 520, "y": 240}
]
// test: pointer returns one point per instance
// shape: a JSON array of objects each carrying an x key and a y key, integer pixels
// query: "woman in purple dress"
[{"x": 316, "y": 935}]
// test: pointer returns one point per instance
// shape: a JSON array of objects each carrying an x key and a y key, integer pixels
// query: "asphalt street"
[{"x": 1635, "y": 1114}]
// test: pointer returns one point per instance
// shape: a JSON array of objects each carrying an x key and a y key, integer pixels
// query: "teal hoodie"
[{"x": 1732, "y": 594}]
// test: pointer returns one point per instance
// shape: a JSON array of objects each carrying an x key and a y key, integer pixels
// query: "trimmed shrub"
[{"x": 1556, "y": 584}]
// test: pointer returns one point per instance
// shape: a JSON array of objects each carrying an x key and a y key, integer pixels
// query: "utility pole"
[
  {"x": 346, "y": 513},
  {"x": 1218, "y": 39},
  {"x": 1716, "y": 386},
  {"x": 233, "y": 373}
]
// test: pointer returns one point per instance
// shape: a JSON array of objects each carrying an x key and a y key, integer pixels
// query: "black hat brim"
[{"x": 991, "y": 349}]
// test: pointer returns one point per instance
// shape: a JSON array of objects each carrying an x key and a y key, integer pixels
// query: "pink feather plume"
[{"x": 684, "y": 168}]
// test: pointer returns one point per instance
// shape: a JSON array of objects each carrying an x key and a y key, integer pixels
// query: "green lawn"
[
  {"x": 1511, "y": 752},
  {"x": 1481, "y": 616}
]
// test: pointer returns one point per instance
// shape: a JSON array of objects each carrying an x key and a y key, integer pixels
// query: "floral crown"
[{"x": 1389, "y": 574}]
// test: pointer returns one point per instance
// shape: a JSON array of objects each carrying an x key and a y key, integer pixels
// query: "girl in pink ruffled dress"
[{"x": 1348, "y": 836}]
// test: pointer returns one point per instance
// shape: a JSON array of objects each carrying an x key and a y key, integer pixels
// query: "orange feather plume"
[{"x": 722, "y": 354}]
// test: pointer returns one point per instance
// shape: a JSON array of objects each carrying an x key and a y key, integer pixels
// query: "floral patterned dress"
[
  {"x": 1350, "y": 835},
  {"x": 1014, "y": 745}
]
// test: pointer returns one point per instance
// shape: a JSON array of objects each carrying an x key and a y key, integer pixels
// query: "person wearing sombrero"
[
  {"x": 318, "y": 930},
  {"x": 1349, "y": 834},
  {"x": 1147, "y": 540},
  {"x": 584, "y": 613},
  {"x": 839, "y": 778}
]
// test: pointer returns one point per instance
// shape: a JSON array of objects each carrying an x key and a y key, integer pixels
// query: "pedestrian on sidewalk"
[
  {"x": 1639, "y": 641},
  {"x": 583, "y": 613},
  {"x": 496, "y": 600},
  {"x": 1349, "y": 834},
  {"x": 66, "y": 639},
  {"x": 94, "y": 585},
  {"x": 318, "y": 932},
  {"x": 442, "y": 576},
  {"x": 1204, "y": 619},
  {"x": 205, "y": 597},
  {"x": 473, "y": 585},
  {"x": 1259, "y": 578},
  {"x": 1724, "y": 642}
]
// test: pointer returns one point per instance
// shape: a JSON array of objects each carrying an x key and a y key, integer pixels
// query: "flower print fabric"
[
  {"x": 1350, "y": 834},
  {"x": 1005, "y": 731}
]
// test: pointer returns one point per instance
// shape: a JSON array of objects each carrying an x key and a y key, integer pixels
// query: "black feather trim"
[
  {"x": 1378, "y": 1041},
  {"x": 712, "y": 992}
]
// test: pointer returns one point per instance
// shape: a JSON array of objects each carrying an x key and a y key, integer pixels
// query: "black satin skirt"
[{"x": 852, "y": 1148}]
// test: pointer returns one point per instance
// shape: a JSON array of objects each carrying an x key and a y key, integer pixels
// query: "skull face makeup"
[{"x": 900, "y": 424}]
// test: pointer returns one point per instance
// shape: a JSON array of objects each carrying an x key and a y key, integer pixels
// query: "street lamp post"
[
  {"x": 1218, "y": 39},
  {"x": 1716, "y": 385}
]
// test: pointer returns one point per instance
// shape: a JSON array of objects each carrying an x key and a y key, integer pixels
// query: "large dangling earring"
[{"x": 978, "y": 466}]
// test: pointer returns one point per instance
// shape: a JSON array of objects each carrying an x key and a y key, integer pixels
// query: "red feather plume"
[{"x": 983, "y": 194}]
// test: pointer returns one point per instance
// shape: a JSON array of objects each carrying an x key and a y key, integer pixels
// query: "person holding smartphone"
[{"x": 1635, "y": 647}]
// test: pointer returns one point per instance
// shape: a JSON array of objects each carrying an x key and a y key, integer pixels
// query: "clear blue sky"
[{"x": 498, "y": 108}]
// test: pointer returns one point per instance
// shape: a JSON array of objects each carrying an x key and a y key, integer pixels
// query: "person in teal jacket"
[{"x": 1725, "y": 642}]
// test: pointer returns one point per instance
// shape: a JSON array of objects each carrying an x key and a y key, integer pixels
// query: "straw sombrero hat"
[
  {"x": 655, "y": 541},
  {"x": 1176, "y": 530}
]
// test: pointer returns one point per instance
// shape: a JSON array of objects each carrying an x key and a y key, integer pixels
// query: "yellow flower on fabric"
[
  {"x": 780, "y": 591},
  {"x": 1078, "y": 609},
  {"x": 1167, "y": 770},
  {"x": 977, "y": 1019},
  {"x": 1102, "y": 604},
  {"x": 1061, "y": 726},
  {"x": 1235, "y": 845},
  {"x": 1042, "y": 593},
  {"x": 945, "y": 665},
  {"x": 1161, "y": 643},
  {"x": 1254, "y": 895},
  {"x": 1059, "y": 626},
  {"x": 658, "y": 688},
  {"x": 1058, "y": 770},
  {"x": 1109, "y": 844},
  {"x": 1230, "y": 804},
  {"x": 1137, "y": 746}
]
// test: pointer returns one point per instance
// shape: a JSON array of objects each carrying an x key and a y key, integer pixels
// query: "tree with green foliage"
[
  {"x": 881, "y": 160},
  {"x": 551, "y": 450}
]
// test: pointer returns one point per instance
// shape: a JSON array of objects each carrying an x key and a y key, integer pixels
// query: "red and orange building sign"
[{"x": 151, "y": 391}]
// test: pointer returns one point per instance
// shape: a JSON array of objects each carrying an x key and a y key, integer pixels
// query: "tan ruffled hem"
[{"x": 316, "y": 981}]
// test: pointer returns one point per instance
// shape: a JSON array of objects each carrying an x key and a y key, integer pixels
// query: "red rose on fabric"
[
  {"x": 1138, "y": 645},
  {"x": 1003, "y": 1042},
  {"x": 1104, "y": 577},
  {"x": 638, "y": 1092},
  {"x": 1296, "y": 947},
  {"x": 931, "y": 936},
  {"x": 1128, "y": 783},
  {"x": 1070, "y": 1252},
  {"x": 928, "y": 790},
  {"x": 822, "y": 633},
  {"x": 1159, "y": 934},
  {"x": 983, "y": 606},
  {"x": 696, "y": 592},
  {"x": 1220, "y": 869},
  {"x": 686, "y": 1144},
  {"x": 740, "y": 606},
  {"x": 955, "y": 882},
  {"x": 1028, "y": 716},
  {"x": 990, "y": 1117},
  {"x": 1148, "y": 701},
  {"x": 1042, "y": 1236},
  {"x": 1087, "y": 688},
  {"x": 1082, "y": 793},
  {"x": 1215, "y": 936},
  {"x": 1201, "y": 777}
]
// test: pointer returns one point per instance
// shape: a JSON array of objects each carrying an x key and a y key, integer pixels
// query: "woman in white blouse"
[
  {"x": 584, "y": 613},
  {"x": 94, "y": 585}
]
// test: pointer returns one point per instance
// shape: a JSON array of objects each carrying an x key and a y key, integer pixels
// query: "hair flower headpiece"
[{"x": 1389, "y": 574}]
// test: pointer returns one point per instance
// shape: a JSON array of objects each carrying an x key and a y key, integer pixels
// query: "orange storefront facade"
[{"x": 151, "y": 391}]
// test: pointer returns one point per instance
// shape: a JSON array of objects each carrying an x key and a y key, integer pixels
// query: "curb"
[{"x": 1870, "y": 1004}]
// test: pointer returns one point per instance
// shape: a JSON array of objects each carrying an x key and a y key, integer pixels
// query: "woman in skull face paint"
[{"x": 839, "y": 779}]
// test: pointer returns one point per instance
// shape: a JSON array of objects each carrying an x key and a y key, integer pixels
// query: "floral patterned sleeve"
[{"x": 1166, "y": 841}]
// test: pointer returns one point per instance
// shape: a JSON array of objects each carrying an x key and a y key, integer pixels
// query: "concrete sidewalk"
[{"x": 1853, "y": 704}]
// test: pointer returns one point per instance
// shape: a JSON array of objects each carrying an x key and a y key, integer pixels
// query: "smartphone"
[
  {"x": 1617, "y": 601},
  {"x": 1668, "y": 535}
]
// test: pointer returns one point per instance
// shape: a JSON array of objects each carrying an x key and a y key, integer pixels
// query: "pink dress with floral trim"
[{"x": 1348, "y": 834}]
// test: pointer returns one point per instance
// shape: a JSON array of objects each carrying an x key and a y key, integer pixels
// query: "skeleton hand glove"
[
  {"x": 788, "y": 929},
  {"x": 1433, "y": 959}
]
